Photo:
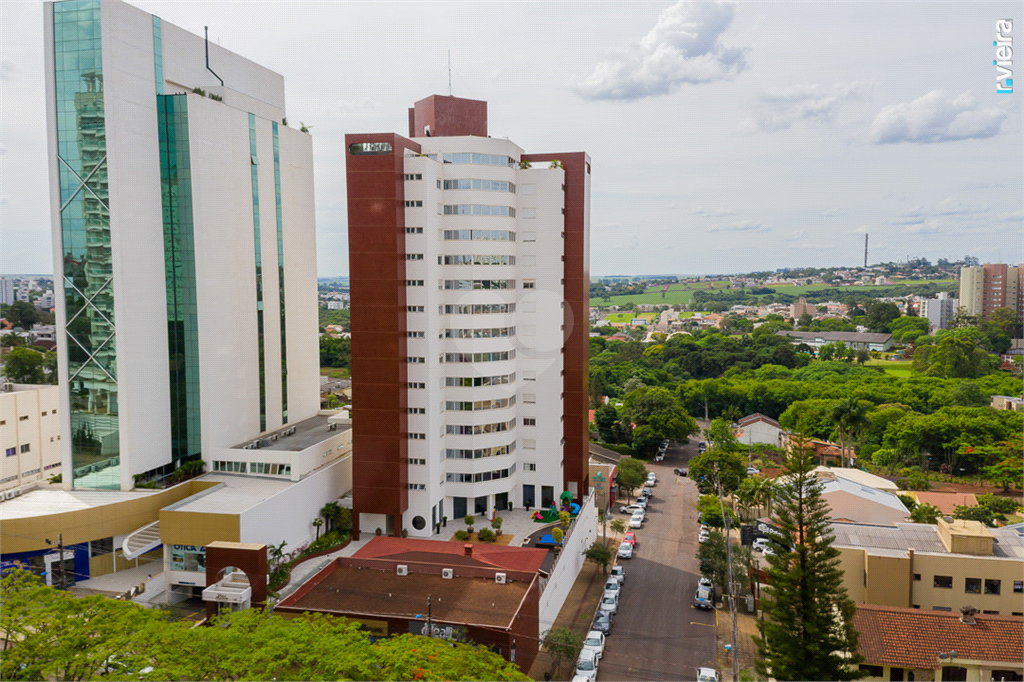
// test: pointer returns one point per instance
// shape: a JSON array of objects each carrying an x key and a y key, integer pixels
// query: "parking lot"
[{"x": 657, "y": 634}]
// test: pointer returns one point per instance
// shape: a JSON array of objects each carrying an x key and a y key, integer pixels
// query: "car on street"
[
  {"x": 702, "y": 446},
  {"x": 704, "y": 535},
  {"x": 609, "y": 603},
  {"x": 704, "y": 598},
  {"x": 700, "y": 517},
  {"x": 630, "y": 509},
  {"x": 612, "y": 585},
  {"x": 630, "y": 537},
  {"x": 752, "y": 470},
  {"x": 705, "y": 583},
  {"x": 619, "y": 572},
  {"x": 594, "y": 643},
  {"x": 636, "y": 520},
  {"x": 625, "y": 551},
  {"x": 652, "y": 478},
  {"x": 602, "y": 624},
  {"x": 768, "y": 550},
  {"x": 707, "y": 675},
  {"x": 679, "y": 472},
  {"x": 586, "y": 666},
  {"x": 760, "y": 544}
]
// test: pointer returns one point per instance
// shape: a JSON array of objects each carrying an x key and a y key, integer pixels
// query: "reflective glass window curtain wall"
[
  {"x": 259, "y": 269},
  {"x": 179, "y": 262},
  {"x": 85, "y": 245}
]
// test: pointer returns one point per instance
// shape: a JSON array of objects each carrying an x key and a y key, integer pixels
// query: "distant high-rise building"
[
  {"x": 184, "y": 245},
  {"x": 985, "y": 288},
  {"x": 6, "y": 291},
  {"x": 469, "y": 298},
  {"x": 939, "y": 310}
]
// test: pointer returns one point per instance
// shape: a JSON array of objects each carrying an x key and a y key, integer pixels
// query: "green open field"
[
  {"x": 626, "y": 317},
  {"x": 673, "y": 296},
  {"x": 683, "y": 293},
  {"x": 897, "y": 368}
]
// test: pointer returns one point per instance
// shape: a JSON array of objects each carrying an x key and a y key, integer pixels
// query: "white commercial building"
[
  {"x": 29, "y": 434},
  {"x": 482, "y": 330},
  {"x": 184, "y": 245}
]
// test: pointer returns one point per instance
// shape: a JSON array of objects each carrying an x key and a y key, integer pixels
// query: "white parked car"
[
  {"x": 631, "y": 509},
  {"x": 618, "y": 572},
  {"x": 612, "y": 585},
  {"x": 625, "y": 551},
  {"x": 760, "y": 544},
  {"x": 703, "y": 536},
  {"x": 707, "y": 675},
  {"x": 636, "y": 520},
  {"x": 586, "y": 666},
  {"x": 594, "y": 643},
  {"x": 752, "y": 470},
  {"x": 609, "y": 604},
  {"x": 704, "y": 583}
]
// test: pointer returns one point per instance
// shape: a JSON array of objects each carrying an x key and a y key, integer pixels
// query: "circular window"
[{"x": 419, "y": 523}]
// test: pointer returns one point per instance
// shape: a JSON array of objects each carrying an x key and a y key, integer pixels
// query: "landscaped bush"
[
  {"x": 486, "y": 535},
  {"x": 999, "y": 505},
  {"x": 461, "y": 535}
]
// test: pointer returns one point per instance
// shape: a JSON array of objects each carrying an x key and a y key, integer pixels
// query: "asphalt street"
[{"x": 657, "y": 634}]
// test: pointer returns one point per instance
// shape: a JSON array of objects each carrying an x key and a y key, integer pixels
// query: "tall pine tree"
[{"x": 807, "y": 632}]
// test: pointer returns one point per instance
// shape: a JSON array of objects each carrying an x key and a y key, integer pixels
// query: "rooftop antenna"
[
  {"x": 865, "y": 250},
  {"x": 449, "y": 73}
]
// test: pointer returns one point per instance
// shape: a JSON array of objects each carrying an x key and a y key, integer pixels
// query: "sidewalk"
[
  {"x": 577, "y": 614},
  {"x": 746, "y": 629}
]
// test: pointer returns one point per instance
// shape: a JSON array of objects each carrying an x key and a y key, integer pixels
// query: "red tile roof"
[
  {"x": 946, "y": 502},
  {"x": 912, "y": 638},
  {"x": 526, "y": 559}
]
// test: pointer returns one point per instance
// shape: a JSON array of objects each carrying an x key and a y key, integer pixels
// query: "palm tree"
[
  {"x": 747, "y": 495},
  {"x": 317, "y": 522},
  {"x": 849, "y": 416},
  {"x": 332, "y": 514}
]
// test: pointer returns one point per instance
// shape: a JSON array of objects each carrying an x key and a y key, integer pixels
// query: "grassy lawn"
[
  {"x": 897, "y": 368},
  {"x": 335, "y": 372},
  {"x": 626, "y": 317},
  {"x": 683, "y": 293}
]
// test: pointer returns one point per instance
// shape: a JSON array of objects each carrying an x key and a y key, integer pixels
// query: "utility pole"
[
  {"x": 728, "y": 569},
  {"x": 865, "y": 250},
  {"x": 430, "y": 624}
]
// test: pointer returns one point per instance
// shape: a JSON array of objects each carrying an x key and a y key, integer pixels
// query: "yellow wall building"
[{"x": 942, "y": 568}]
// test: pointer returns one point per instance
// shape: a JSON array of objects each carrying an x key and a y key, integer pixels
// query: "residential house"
[
  {"x": 757, "y": 428},
  {"x": 900, "y": 643}
]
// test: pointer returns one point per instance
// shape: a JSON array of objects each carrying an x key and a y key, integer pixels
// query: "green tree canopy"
[
  {"x": 807, "y": 632},
  {"x": 25, "y": 366}
]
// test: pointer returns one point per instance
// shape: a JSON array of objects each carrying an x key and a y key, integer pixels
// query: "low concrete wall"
[{"x": 582, "y": 533}]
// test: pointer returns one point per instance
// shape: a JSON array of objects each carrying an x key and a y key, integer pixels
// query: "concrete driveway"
[{"x": 657, "y": 634}]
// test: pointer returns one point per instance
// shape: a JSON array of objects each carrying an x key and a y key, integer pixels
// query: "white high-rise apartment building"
[
  {"x": 184, "y": 245},
  {"x": 6, "y": 291},
  {"x": 939, "y": 310},
  {"x": 468, "y": 304}
]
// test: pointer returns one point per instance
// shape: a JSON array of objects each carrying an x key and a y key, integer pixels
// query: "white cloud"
[
  {"x": 714, "y": 212},
  {"x": 740, "y": 226},
  {"x": 936, "y": 117},
  {"x": 951, "y": 206},
  {"x": 780, "y": 109},
  {"x": 683, "y": 47},
  {"x": 830, "y": 212}
]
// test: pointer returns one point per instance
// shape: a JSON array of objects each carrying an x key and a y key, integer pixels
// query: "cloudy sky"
[{"x": 724, "y": 137}]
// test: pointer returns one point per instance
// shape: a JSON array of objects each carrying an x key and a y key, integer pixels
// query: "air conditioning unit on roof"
[
  {"x": 499, "y": 578},
  {"x": 447, "y": 573},
  {"x": 403, "y": 569}
]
